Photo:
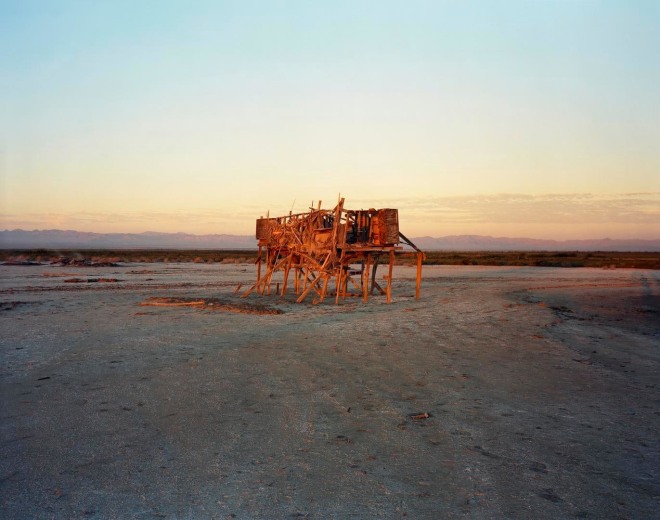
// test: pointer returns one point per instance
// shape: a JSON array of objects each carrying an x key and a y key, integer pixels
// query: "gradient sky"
[{"x": 508, "y": 118}]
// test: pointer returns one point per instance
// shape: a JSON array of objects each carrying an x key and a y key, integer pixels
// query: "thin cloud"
[
  {"x": 556, "y": 208},
  {"x": 502, "y": 208}
]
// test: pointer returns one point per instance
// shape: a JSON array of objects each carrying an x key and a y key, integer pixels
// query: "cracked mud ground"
[{"x": 540, "y": 387}]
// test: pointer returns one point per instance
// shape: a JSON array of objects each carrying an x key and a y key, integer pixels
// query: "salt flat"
[{"x": 540, "y": 384}]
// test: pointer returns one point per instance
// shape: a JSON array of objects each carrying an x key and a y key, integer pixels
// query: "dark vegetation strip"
[{"x": 601, "y": 259}]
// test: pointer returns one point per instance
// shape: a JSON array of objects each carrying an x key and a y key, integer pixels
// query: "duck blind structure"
[{"x": 330, "y": 247}]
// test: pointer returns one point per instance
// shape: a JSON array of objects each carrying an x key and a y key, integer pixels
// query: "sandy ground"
[{"x": 541, "y": 386}]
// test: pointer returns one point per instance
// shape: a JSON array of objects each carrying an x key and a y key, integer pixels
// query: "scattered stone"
[
  {"x": 483, "y": 452},
  {"x": 539, "y": 467},
  {"x": 550, "y": 495}
]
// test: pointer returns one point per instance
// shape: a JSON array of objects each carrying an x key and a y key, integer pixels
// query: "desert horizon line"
[
  {"x": 246, "y": 235},
  {"x": 566, "y": 216}
]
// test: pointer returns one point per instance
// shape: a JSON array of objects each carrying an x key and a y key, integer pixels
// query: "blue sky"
[{"x": 532, "y": 118}]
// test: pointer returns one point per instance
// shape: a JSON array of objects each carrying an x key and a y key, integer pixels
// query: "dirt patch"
[
  {"x": 213, "y": 304},
  {"x": 486, "y": 398},
  {"x": 83, "y": 262},
  {"x": 91, "y": 280},
  {"x": 8, "y": 306}
]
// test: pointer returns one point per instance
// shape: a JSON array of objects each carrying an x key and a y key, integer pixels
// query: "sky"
[{"x": 512, "y": 118}]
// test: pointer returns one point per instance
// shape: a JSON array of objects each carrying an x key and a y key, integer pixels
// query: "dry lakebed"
[{"x": 147, "y": 391}]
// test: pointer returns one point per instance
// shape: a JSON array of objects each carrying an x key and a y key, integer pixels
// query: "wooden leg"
[
  {"x": 376, "y": 285},
  {"x": 305, "y": 274},
  {"x": 326, "y": 279},
  {"x": 286, "y": 276},
  {"x": 263, "y": 282},
  {"x": 308, "y": 289},
  {"x": 259, "y": 264},
  {"x": 373, "y": 275},
  {"x": 365, "y": 279},
  {"x": 389, "y": 278},
  {"x": 340, "y": 273}
]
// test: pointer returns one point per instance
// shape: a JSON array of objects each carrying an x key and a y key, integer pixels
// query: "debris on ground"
[
  {"x": 420, "y": 416},
  {"x": 210, "y": 304},
  {"x": 81, "y": 262},
  {"x": 90, "y": 280},
  {"x": 7, "y": 306}
]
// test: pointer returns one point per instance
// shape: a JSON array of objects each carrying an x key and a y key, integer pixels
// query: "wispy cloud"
[
  {"x": 564, "y": 209},
  {"x": 559, "y": 208}
]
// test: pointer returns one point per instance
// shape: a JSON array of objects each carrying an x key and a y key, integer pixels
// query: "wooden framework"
[{"x": 320, "y": 248}]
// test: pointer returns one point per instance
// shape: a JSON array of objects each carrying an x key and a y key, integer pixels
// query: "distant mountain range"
[
  {"x": 58, "y": 239},
  {"x": 55, "y": 238}
]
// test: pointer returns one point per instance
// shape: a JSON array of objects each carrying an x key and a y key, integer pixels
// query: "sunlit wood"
[{"x": 321, "y": 245}]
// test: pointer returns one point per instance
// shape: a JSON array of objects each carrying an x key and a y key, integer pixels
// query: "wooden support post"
[
  {"x": 420, "y": 257},
  {"x": 286, "y": 274},
  {"x": 365, "y": 279},
  {"x": 276, "y": 264},
  {"x": 340, "y": 264},
  {"x": 338, "y": 284},
  {"x": 305, "y": 274},
  {"x": 326, "y": 279},
  {"x": 389, "y": 277},
  {"x": 373, "y": 275},
  {"x": 312, "y": 285},
  {"x": 259, "y": 264},
  {"x": 266, "y": 278},
  {"x": 262, "y": 288},
  {"x": 313, "y": 282}
]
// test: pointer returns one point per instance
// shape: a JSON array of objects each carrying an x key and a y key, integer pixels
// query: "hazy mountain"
[{"x": 54, "y": 239}]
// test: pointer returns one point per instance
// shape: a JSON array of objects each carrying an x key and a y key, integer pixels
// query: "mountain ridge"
[{"x": 56, "y": 238}]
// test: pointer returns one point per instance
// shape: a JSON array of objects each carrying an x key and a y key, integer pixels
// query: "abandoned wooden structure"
[{"x": 323, "y": 248}]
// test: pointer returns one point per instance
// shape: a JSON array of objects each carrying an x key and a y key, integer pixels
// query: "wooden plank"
[
  {"x": 365, "y": 279},
  {"x": 373, "y": 276},
  {"x": 389, "y": 277},
  {"x": 286, "y": 275},
  {"x": 326, "y": 279},
  {"x": 259, "y": 263}
]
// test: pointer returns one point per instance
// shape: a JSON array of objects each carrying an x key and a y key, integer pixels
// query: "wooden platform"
[{"x": 322, "y": 247}]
